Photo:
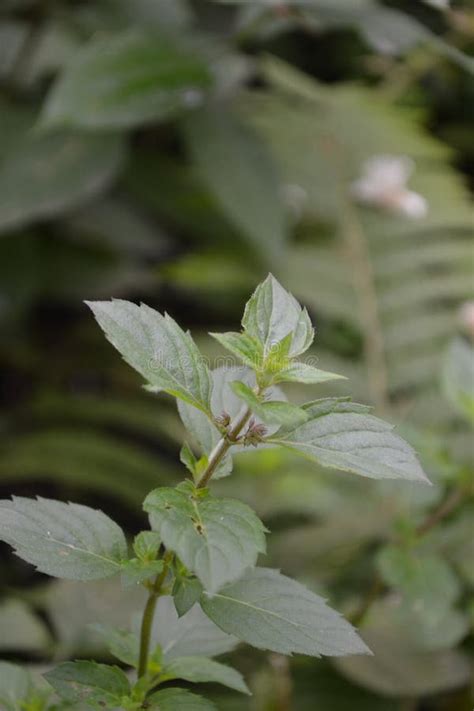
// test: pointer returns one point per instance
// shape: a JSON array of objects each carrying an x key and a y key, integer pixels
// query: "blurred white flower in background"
[
  {"x": 383, "y": 184},
  {"x": 466, "y": 317},
  {"x": 295, "y": 198},
  {"x": 439, "y": 4}
]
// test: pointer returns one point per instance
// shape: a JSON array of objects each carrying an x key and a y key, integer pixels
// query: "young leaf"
[
  {"x": 127, "y": 80},
  {"x": 270, "y": 611},
  {"x": 223, "y": 400},
  {"x": 157, "y": 348},
  {"x": 304, "y": 373},
  {"x": 272, "y": 412},
  {"x": 272, "y": 314},
  {"x": 174, "y": 699},
  {"x": 200, "y": 669},
  {"x": 63, "y": 540},
  {"x": 249, "y": 194},
  {"x": 122, "y": 644},
  {"x": 146, "y": 545},
  {"x": 245, "y": 347},
  {"x": 186, "y": 592},
  {"x": 346, "y": 438},
  {"x": 95, "y": 684},
  {"x": 194, "y": 634},
  {"x": 135, "y": 571},
  {"x": 215, "y": 538},
  {"x": 187, "y": 457}
]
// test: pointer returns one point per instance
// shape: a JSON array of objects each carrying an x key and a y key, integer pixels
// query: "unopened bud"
[{"x": 254, "y": 434}]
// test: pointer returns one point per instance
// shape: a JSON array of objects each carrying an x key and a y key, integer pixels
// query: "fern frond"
[{"x": 399, "y": 281}]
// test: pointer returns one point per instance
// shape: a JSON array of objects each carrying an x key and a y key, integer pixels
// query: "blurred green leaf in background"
[{"x": 174, "y": 152}]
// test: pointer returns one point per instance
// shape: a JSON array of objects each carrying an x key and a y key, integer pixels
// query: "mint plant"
[{"x": 199, "y": 558}]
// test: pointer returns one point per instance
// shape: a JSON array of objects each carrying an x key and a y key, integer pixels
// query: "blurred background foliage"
[{"x": 174, "y": 153}]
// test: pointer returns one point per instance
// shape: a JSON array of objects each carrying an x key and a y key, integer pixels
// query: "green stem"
[
  {"x": 216, "y": 456},
  {"x": 222, "y": 447},
  {"x": 149, "y": 613}
]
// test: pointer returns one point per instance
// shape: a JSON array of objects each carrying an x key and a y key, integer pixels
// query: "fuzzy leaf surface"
[
  {"x": 186, "y": 592},
  {"x": 194, "y": 634},
  {"x": 63, "y": 540},
  {"x": 305, "y": 373},
  {"x": 215, "y": 538},
  {"x": 246, "y": 348},
  {"x": 135, "y": 571},
  {"x": 157, "y": 348},
  {"x": 201, "y": 669},
  {"x": 97, "y": 684},
  {"x": 223, "y": 399},
  {"x": 272, "y": 314},
  {"x": 272, "y": 412},
  {"x": 174, "y": 699},
  {"x": 343, "y": 436},
  {"x": 122, "y": 644},
  {"x": 270, "y": 611}
]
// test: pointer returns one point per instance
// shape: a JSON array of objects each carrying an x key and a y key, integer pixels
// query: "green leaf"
[
  {"x": 200, "y": 669},
  {"x": 127, "y": 80},
  {"x": 186, "y": 592},
  {"x": 21, "y": 630},
  {"x": 237, "y": 168},
  {"x": 424, "y": 579},
  {"x": 157, "y": 348},
  {"x": 223, "y": 400},
  {"x": 63, "y": 540},
  {"x": 122, "y": 644},
  {"x": 194, "y": 634},
  {"x": 271, "y": 412},
  {"x": 47, "y": 174},
  {"x": 215, "y": 538},
  {"x": 270, "y": 611},
  {"x": 186, "y": 457},
  {"x": 346, "y": 438},
  {"x": 135, "y": 571},
  {"x": 15, "y": 686},
  {"x": 243, "y": 346},
  {"x": 174, "y": 699},
  {"x": 272, "y": 314},
  {"x": 396, "y": 666},
  {"x": 146, "y": 545},
  {"x": 97, "y": 684},
  {"x": 458, "y": 376},
  {"x": 423, "y": 627},
  {"x": 305, "y": 373},
  {"x": 74, "y": 608}
]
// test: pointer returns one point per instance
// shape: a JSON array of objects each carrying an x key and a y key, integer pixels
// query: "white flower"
[
  {"x": 466, "y": 317},
  {"x": 383, "y": 185}
]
